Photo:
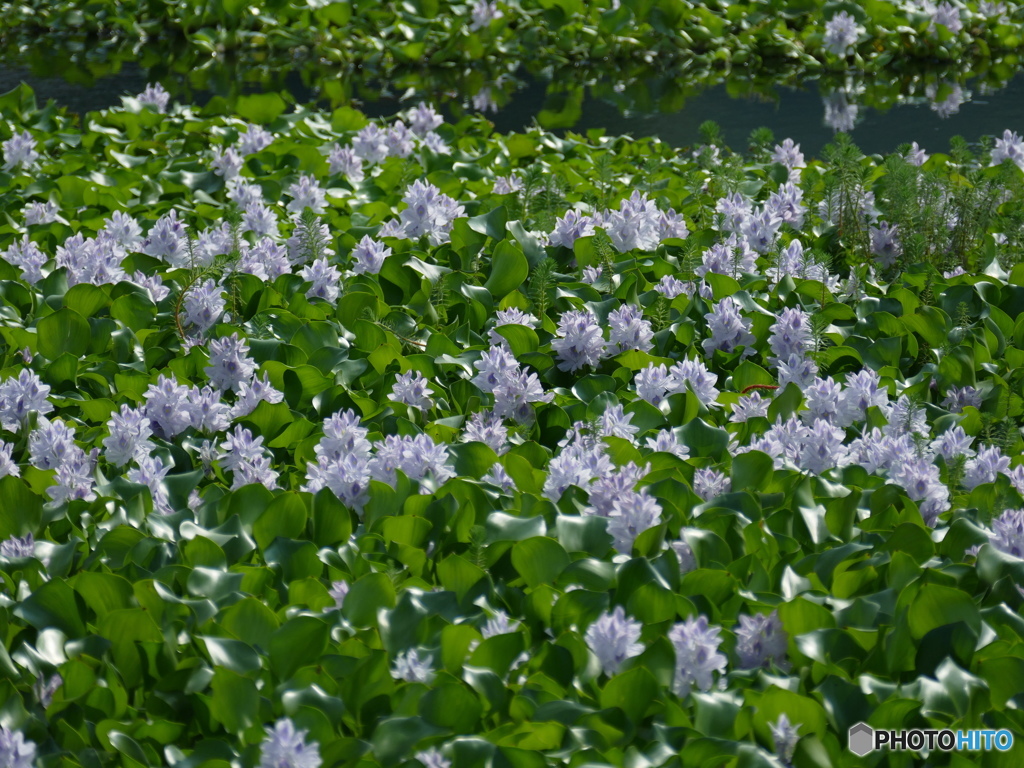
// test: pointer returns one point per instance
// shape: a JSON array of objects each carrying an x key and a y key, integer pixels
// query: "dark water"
[{"x": 797, "y": 113}]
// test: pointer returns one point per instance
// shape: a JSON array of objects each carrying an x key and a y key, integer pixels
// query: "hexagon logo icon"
[{"x": 861, "y": 739}]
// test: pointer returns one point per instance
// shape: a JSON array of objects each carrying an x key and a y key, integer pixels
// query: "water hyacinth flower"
[
  {"x": 629, "y": 329},
  {"x": 155, "y": 96},
  {"x": 482, "y": 13},
  {"x": 885, "y": 244},
  {"x": 230, "y": 365},
  {"x": 41, "y": 213},
  {"x": 253, "y": 139},
  {"x": 1008, "y": 532},
  {"x": 428, "y": 213},
  {"x": 204, "y": 304},
  {"x": 285, "y": 747},
  {"x": 840, "y": 113},
  {"x": 226, "y": 163},
  {"x": 345, "y": 161},
  {"x": 129, "y": 436},
  {"x": 260, "y": 219},
  {"x": 761, "y": 641},
  {"x": 411, "y": 668},
  {"x": 570, "y": 228},
  {"x": 580, "y": 341},
  {"x": 841, "y": 33},
  {"x": 916, "y": 156},
  {"x": 151, "y": 472},
  {"x": 368, "y": 256},
  {"x": 15, "y": 750},
  {"x": 15, "y": 546},
  {"x": 338, "y": 591},
  {"x": 729, "y": 328},
  {"x": 697, "y": 655},
  {"x": 785, "y": 736},
  {"x": 788, "y": 154},
  {"x": 44, "y": 689},
  {"x": 952, "y": 443},
  {"x": 592, "y": 274},
  {"x": 7, "y": 464},
  {"x": 670, "y": 287},
  {"x": 613, "y": 638},
  {"x": 325, "y": 280},
  {"x": 634, "y": 225},
  {"x": 958, "y": 398},
  {"x": 50, "y": 443},
  {"x": 484, "y": 427},
  {"x": 27, "y": 256},
  {"x": 306, "y": 193},
  {"x": 21, "y": 395},
  {"x": 709, "y": 483},
  {"x": 684, "y": 553},
  {"x": 507, "y": 185},
  {"x": 498, "y": 624},
  {"x": 423, "y": 119},
  {"x": 632, "y": 514},
  {"x": 20, "y": 151},
  {"x": 412, "y": 389},
  {"x": 1010, "y": 147}
]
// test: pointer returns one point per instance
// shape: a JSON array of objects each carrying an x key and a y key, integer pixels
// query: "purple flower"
[
  {"x": 306, "y": 193},
  {"x": 129, "y": 436},
  {"x": 916, "y": 156},
  {"x": 423, "y": 119},
  {"x": 499, "y": 624},
  {"x": 412, "y": 389},
  {"x": 206, "y": 411},
  {"x": 952, "y": 443},
  {"x": 1010, "y": 147},
  {"x": 20, "y": 151},
  {"x": 345, "y": 161},
  {"x": 709, "y": 483},
  {"x": 260, "y": 219},
  {"x": 822, "y": 447},
  {"x": 822, "y": 399},
  {"x": 7, "y": 465},
  {"x": 50, "y": 443},
  {"x": 151, "y": 472},
  {"x": 670, "y": 287},
  {"x": 634, "y": 225},
  {"x": 44, "y": 690},
  {"x": 369, "y": 256},
  {"x": 613, "y": 638},
  {"x": 1008, "y": 532},
  {"x": 230, "y": 364},
  {"x": 629, "y": 329},
  {"x": 154, "y": 96},
  {"x": 284, "y": 747},
  {"x": 785, "y": 737},
  {"x": 920, "y": 479},
  {"x": 41, "y": 213},
  {"x": 484, "y": 427},
  {"x": 27, "y": 256},
  {"x": 431, "y": 758},
  {"x": 697, "y": 655},
  {"x": 254, "y": 139},
  {"x": 252, "y": 394},
  {"x": 631, "y": 515},
  {"x": 570, "y": 228},
  {"x": 840, "y": 34},
  {"x": 687, "y": 560},
  {"x": 204, "y": 304},
  {"x": 790, "y": 334},
  {"x": 985, "y": 467},
  {"x": 412, "y": 669},
  {"x": 580, "y": 341},
  {"x": 15, "y": 751},
  {"x": 885, "y": 243},
  {"x": 958, "y": 398},
  {"x": 788, "y": 154},
  {"x": 748, "y": 407},
  {"x": 338, "y": 591},
  {"x": 325, "y": 279},
  {"x": 729, "y": 329},
  {"x": 18, "y": 546},
  {"x": 862, "y": 391},
  {"x": 761, "y": 641},
  {"x": 428, "y": 213},
  {"x": 226, "y": 163}
]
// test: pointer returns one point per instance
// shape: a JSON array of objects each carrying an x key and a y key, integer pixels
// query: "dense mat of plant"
[
  {"x": 477, "y": 45},
  {"x": 330, "y": 441}
]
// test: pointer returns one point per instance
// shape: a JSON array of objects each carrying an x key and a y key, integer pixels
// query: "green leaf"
[
  {"x": 235, "y": 701},
  {"x": 473, "y": 459},
  {"x": 491, "y": 223},
  {"x": 251, "y": 621},
  {"x": 63, "y": 331},
  {"x": 935, "y": 605},
  {"x": 539, "y": 560},
  {"x": 369, "y": 594},
  {"x": 52, "y": 605},
  {"x": 21, "y": 512},
  {"x": 285, "y": 516},
  {"x": 632, "y": 691},
  {"x": 752, "y": 471},
  {"x": 509, "y": 269},
  {"x": 298, "y": 643},
  {"x": 260, "y": 107},
  {"x": 332, "y": 521},
  {"x": 86, "y": 299},
  {"x": 451, "y": 706}
]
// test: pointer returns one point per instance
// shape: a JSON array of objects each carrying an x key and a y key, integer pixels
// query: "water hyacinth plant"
[{"x": 404, "y": 441}]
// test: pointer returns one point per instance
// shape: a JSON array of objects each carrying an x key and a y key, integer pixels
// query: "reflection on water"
[{"x": 927, "y": 110}]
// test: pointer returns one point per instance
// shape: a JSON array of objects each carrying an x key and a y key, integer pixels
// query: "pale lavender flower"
[
  {"x": 840, "y": 34},
  {"x": 762, "y": 228},
  {"x": 786, "y": 204},
  {"x": 15, "y": 750},
  {"x": 306, "y": 193},
  {"x": 129, "y": 436},
  {"x": 862, "y": 391},
  {"x": 368, "y": 256},
  {"x": 748, "y": 407},
  {"x": 761, "y": 641},
  {"x": 429, "y": 213},
  {"x": 946, "y": 14},
  {"x": 345, "y": 161},
  {"x": 371, "y": 144},
  {"x": 948, "y": 106},
  {"x": 613, "y": 638},
  {"x": 952, "y": 443},
  {"x": 252, "y": 394},
  {"x": 435, "y": 144},
  {"x": 285, "y": 747},
  {"x": 206, "y": 411},
  {"x": 580, "y": 341},
  {"x": 226, "y": 163},
  {"x": 154, "y": 96},
  {"x": 958, "y": 398},
  {"x": 259, "y": 219},
  {"x": 44, "y": 689},
  {"x": 697, "y": 655},
  {"x": 347, "y": 476},
  {"x": 7, "y": 464},
  {"x": 507, "y": 185},
  {"x": 254, "y": 139},
  {"x": 27, "y": 256},
  {"x": 431, "y": 758},
  {"x": 484, "y": 427},
  {"x": 666, "y": 441},
  {"x": 412, "y": 389},
  {"x": 592, "y": 274},
  {"x": 495, "y": 366},
  {"x": 570, "y": 228},
  {"x": 1008, "y": 532},
  {"x": 50, "y": 443},
  {"x": 483, "y": 13},
  {"x": 243, "y": 193},
  {"x": 204, "y": 304},
  {"x": 785, "y": 736},
  {"x": 916, "y": 156},
  {"x": 167, "y": 407},
  {"x": 499, "y": 624},
  {"x": 74, "y": 478},
  {"x": 634, "y": 225},
  {"x": 985, "y": 467},
  {"x": 885, "y": 244},
  {"x": 729, "y": 328},
  {"x": 423, "y": 119},
  {"x": 684, "y": 553},
  {"x": 152, "y": 285},
  {"x": 822, "y": 400},
  {"x": 338, "y": 591},
  {"x": 671, "y": 225},
  {"x": 790, "y": 334},
  {"x": 905, "y": 417},
  {"x": 419, "y": 458},
  {"x": 615, "y": 422},
  {"x": 413, "y": 669},
  {"x": 15, "y": 546},
  {"x": 629, "y": 329},
  {"x": 695, "y": 376},
  {"x": 631, "y": 515},
  {"x": 789, "y": 155},
  {"x": 654, "y": 383},
  {"x": 500, "y": 478},
  {"x": 20, "y": 151},
  {"x": 230, "y": 364},
  {"x": 920, "y": 479},
  {"x": 22, "y": 395},
  {"x": 510, "y": 316},
  {"x": 670, "y": 287},
  {"x": 151, "y": 472},
  {"x": 41, "y": 213},
  {"x": 325, "y": 280},
  {"x": 734, "y": 210},
  {"x": 709, "y": 483},
  {"x": 400, "y": 140}
]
